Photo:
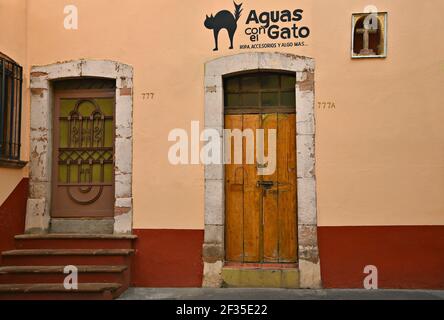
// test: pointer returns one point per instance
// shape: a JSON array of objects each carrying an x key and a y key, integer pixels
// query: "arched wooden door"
[{"x": 260, "y": 210}]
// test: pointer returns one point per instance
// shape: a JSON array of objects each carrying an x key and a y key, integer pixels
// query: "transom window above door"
[{"x": 261, "y": 92}]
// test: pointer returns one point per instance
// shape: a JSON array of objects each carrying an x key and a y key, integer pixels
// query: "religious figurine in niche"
[{"x": 369, "y": 35}]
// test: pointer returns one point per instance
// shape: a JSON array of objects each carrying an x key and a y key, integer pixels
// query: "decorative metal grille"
[
  {"x": 86, "y": 152},
  {"x": 11, "y": 80}
]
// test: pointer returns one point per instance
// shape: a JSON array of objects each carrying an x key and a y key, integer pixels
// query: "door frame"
[
  {"x": 38, "y": 207},
  {"x": 214, "y": 182}
]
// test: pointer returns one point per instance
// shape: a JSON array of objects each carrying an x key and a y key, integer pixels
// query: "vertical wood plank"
[
  {"x": 234, "y": 179},
  {"x": 252, "y": 195},
  {"x": 270, "y": 203},
  {"x": 286, "y": 168}
]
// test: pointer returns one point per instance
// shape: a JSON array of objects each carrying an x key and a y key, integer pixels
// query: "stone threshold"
[
  {"x": 241, "y": 277},
  {"x": 253, "y": 265}
]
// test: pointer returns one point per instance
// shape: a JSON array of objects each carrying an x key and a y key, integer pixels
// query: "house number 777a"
[{"x": 326, "y": 105}]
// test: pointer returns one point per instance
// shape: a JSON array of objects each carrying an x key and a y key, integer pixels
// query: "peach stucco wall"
[
  {"x": 13, "y": 44},
  {"x": 379, "y": 153}
]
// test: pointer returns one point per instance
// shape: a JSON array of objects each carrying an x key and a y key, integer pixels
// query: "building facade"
[{"x": 114, "y": 123}]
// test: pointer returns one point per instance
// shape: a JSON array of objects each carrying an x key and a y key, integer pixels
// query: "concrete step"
[
  {"x": 74, "y": 241},
  {"x": 51, "y": 291},
  {"x": 64, "y": 257},
  {"x": 55, "y": 274}
]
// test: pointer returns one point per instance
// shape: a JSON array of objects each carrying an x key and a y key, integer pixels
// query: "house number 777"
[{"x": 147, "y": 95}]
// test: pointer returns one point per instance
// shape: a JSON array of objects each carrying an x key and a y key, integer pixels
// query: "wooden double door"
[{"x": 261, "y": 210}]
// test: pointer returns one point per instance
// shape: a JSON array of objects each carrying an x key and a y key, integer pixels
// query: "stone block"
[
  {"x": 214, "y": 171},
  {"x": 310, "y": 275},
  {"x": 212, "y": 274},
  {"x": 214, "y": 234},
  {"x": 99, "y": 68},
  {"x": 124, "y": 82},
  {"x": 230, "y": 64},
  {"x": 213, "y": 81},
  {"x": 37, "y": 220},
  {"x": 39, "y": 190},
  {"x": 124, "y": 112},
  {"x": 124, "y": 202},
  {"x": 39, "y": 166},
  {"x": 214, "y": 202},
  {"x": 83, "y": 226},
  {"x": 307, "y": 236},
  {"x": 123, "y": 185},
  {"x": 212, "y": 252},
  {"x": 123, "y": 155},
  {"x": 305, "y": 156},
  {"x": 123, "y": 223},
  {"x": 61, "y": 70},
  {"x": 214, "y": 109},
  {"x": 306, "y": 201},
  {"x": 260, "y": 278}
]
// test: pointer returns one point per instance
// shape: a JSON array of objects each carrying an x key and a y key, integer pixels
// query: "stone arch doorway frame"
[
  {"x": 213, "y": 247},
  {"x": 39, "y": 199}
]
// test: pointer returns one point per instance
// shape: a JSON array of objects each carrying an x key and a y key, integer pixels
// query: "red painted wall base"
[
  {"x": 168, "y": 258},
  {"x": 406, "y": 256},
  {"x": 12, "y": 216}
]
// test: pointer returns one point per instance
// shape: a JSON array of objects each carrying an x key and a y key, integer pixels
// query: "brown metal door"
[{"x": 83, "y": 154}]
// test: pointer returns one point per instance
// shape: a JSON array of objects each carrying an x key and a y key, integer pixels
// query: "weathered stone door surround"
[
  {"x": 213, "y": 248},
  {"x": 39, "y": 200}
]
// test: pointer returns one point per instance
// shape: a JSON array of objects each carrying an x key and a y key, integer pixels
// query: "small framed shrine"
[{"x": 369, "y": 35}]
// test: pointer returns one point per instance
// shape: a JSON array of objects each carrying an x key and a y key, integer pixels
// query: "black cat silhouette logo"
[{"x": 224, "y": 19}]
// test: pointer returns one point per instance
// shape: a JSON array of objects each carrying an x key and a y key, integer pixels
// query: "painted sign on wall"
[{"x": 259, "y": 26}]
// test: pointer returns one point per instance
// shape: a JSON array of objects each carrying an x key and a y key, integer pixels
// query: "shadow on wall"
[{"x": 12, "y": 216}]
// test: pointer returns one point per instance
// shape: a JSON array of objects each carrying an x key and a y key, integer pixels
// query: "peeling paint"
[
  {"x": 38, "y": 74},
  {"x": 308, "y": 83},
  {"x": 211, "y": 89},
  {"x": 125, "y": 91},
  {"x": 37, "y": 91}
]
